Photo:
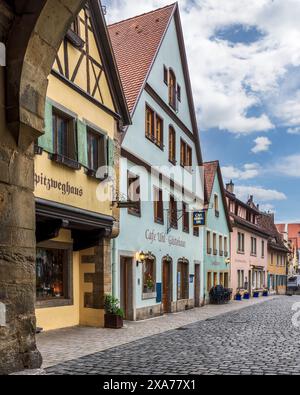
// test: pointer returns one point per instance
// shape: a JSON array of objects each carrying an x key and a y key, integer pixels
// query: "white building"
[{"x": 158, "y": 257}]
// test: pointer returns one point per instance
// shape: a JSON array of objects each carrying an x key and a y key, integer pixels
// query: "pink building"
[{"x": 249, "y": 245}]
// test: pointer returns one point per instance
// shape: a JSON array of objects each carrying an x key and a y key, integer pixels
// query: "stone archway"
[{"x": 33, "y": 31}]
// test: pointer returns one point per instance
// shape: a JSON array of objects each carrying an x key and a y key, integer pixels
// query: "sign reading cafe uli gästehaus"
[{"x": 161, "y": 237}]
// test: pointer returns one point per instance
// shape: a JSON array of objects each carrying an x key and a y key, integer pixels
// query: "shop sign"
[
  {"x": 163, "y": 238},
  {"x": 199, "y": 218}
]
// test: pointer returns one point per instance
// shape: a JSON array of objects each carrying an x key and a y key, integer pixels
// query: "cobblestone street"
[{"x": 259, "y": 339}]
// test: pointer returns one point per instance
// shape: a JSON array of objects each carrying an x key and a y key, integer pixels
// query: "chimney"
[{"x": 230, "y": 187}]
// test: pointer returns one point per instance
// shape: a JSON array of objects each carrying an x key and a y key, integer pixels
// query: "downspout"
[{"x": 114, "y": 263}]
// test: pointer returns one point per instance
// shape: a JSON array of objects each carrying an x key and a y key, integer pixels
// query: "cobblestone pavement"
[
  {"x": 72, "y": 343},
  {"x": 259, "y": 339}
]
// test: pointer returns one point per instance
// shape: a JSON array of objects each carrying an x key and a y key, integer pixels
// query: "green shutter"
[
  {"x": 111, "y": 152},
  {"x": 82, "y": 143},
  {"x": 46, "y": 141}
]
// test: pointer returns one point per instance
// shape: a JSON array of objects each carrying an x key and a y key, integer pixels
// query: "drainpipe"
[{"x": 114, "y": 266}]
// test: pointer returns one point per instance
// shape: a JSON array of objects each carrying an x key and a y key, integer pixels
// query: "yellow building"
[
  {"x": 277, "y": 256},
  {"x": 76, "y": 173}
]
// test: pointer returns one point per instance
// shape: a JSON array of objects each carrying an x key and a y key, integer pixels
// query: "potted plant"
[
  {"x": 149, "y": 283},
  {"x": 238, "y": 296},
  {"x": 265, "y": 292},
  {"x": 256, "y": 293},
  {"x": 246, "y": 295},
  {"x": 113, "y": 317}
]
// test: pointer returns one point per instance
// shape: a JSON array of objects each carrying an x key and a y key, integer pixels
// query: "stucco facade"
[
  {"x": 173, "y": 255},
  {"x": 218, "y": 231}
]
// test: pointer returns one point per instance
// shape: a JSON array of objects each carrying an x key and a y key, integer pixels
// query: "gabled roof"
[
  {"x": 211, "y": 169},
  {"x": 266, "y": 221},
  {"x": 136, "y": 43},
  {"x": 107, "y": 55}
]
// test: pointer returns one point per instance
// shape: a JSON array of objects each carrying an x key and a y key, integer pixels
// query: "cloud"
[
  {"x": 262, "y": 144},
  {"x": 295, "y": 131},
  {"x": 267, "y": 207},
  {"x": 260, "y": 194},
  {"x": 288, "y": 166},
  {"x": 249, "y": 171},
  {"x": 232, "y": 78}
]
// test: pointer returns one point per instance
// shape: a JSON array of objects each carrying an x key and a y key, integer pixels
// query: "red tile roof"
[
  {"x": 210, "y": 169},
  {"x": 135, "y": 42}
]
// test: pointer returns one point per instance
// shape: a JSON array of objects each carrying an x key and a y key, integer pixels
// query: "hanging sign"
[{"x": 199, "y": 218}]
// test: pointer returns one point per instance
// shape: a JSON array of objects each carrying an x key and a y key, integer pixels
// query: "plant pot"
[
  {"x": 238, "y": 297},
  {"x": 255, "y": 294},
  {"x": 265, "y": 294},
  {"x": 246, "y": 296},
  {"x": 113, "y": 321}
]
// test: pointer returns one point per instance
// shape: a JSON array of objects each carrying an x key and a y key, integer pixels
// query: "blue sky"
[{"x": 244, "y": 61}]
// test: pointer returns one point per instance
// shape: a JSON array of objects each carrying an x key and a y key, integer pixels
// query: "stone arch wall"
[{"x": 32, "y": 31}]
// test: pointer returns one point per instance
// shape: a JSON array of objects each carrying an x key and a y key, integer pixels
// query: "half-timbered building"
[
  {"x": 158, "y": 255},
  {"x": 85, "y": 113}
]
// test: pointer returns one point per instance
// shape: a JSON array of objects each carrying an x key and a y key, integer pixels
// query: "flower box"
[
  {"x": 238, "y": 297},
  {"x": 246, "y": 296},
  {"x": 255, "y": 294},
  {"x": 113, "y": 321}
]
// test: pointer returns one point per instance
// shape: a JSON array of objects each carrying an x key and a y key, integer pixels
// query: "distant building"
[
  {"x": 278, "y": 254},
  {"x": 249, "y": 243},
  {"x": 291, "y": 236}
]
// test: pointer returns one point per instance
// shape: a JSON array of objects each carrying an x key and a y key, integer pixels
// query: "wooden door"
[
  {"x": 166, "y": 287},
  {"x": 126, "y": 302},
  {"x": 197, "y": 285}
]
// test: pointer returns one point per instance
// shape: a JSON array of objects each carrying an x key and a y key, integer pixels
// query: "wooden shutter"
[
  {"x": 82, "y": 143},
  {"x": 47, "y": 141}
]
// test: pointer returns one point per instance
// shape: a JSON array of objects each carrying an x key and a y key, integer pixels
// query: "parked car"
[{"x": 293, "y": 283}]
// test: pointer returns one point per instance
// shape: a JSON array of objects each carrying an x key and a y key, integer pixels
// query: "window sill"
[
  {"x": 38, "y": 150},
  {"x": 44, "y": 304},
  {"x": 150, "y": 295},
  {"x": 160, "y": 146},
  {"x": 134, "y": 214},
  {"x": 175, "y": 227},
  {"x": 93, "y": 174},
  {"x": 159, "y": 222},
  {"x": 62, "y": 160},
  {"x": 173, "y": 162},
  {"x": 254, "y": 255},
  {"x": 186, "y": 231},
  {"x": 241, "y": 252}
]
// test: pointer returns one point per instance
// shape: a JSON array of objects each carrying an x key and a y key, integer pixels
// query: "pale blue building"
[
  {"x": 158, "y": 257},
  {"x": 217, "y": 232}
]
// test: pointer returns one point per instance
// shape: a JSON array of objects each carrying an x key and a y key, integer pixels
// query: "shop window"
[
  {"x": 97, "y": 150},
  {"x": 134, "y": 193},
  {"x": 209, "y": 283},
  {"x": 173, "y": 213},
  {"x": 226, "y": 280},
  {"x": 172, "y": 90},
  {"x": 53, "y": 266},
  {"x": 185, "y": 218},
  {"x": 158, "y": 206},
  {"x": 182, "y": 280},
  {"x": 149, "y": 276},
  {"x": 172, "y": 145},
  {"x": 65, "y": 136}
]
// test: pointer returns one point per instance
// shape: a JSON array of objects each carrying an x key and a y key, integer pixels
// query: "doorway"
[
  {"x": 197, "y": 286},
  {"x": 126, "y": 287},
  {"x": 167, "y": 289}
]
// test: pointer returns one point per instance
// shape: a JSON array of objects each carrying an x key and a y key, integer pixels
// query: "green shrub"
[{"x": 112, "y": 306}]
